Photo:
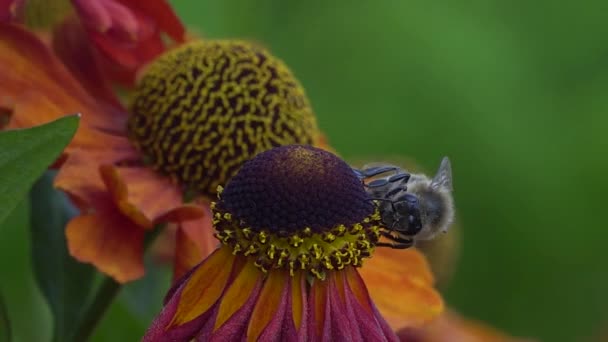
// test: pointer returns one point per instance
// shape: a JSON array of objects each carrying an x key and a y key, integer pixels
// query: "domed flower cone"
[{"x": 295, "y": 225}]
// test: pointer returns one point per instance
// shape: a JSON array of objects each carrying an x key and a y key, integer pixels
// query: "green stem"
[{"x": 105, "y": 295}]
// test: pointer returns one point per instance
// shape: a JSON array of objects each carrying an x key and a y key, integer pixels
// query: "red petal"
[
  {"x": 109, "y": 241},
  {"x": 191, "y": 303},
  {"x": 11, "y": 10},
  {"x": 71, "y": 44},
  {"x": 163, "y": 15},
  {"x": 370, "y": 322},
  {"x": 292, "y": 324}
]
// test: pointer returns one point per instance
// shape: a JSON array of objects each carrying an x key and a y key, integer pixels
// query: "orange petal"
[
  {"x": 204, "y": 287},
  {"x": 238, "y": 293},
  {"x": 194, "y": 242},
  {"x": 298, "y": 299},
  {"x": 268, "y": 303},
  {"x": 401, "y": 285},
  {"x": 322, "y": 142},
  {"x": 79, "y": 175},
  {"x": 109, "y": 241},
  {"x": 358, "y": 288},
  {"x": 452, "y": 327},
  {"x": 28, "y": 70},
  {"x": 319, "y": 307},
  {"x": 145, "y": 196}
]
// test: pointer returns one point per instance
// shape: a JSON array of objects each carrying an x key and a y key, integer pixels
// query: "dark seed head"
[
  {"x": 202, "y": 109},
  {"x": 294, "y": 187}
]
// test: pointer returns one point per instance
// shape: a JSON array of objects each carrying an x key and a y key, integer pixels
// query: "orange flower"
[
  {"x": 295, "y": 225},
  {"x": 198, "y": 112},
  {"x": 450, "y": 326}
]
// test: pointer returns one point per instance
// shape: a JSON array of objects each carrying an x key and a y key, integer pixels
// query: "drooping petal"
[
  {"x": 109, "y": 241},
  {"x": 368, "y": 316},
  {"x": 237, "y": 304},
  {"x": 401, "y": 286},
  {"x": 270, "y": 307},
  {"x": 147, "y": 197},
  {"x": 371, "y": 324},
  {"x": 298, "y": 306},
  {"x": 290, "y": 323},
  {"x": 341, "y": 315},
  {"x": 203, "y": 288},
  {"x": 30, "y": 71},
  {"x": 320, "y": 312},
  {"x": 191, "y": 302}
]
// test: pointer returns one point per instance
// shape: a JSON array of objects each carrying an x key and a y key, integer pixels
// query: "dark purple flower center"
[{"x": 288, "y": 189}]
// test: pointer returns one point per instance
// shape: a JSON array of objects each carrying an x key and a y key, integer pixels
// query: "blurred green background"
[{"x": 514, "y": 92}]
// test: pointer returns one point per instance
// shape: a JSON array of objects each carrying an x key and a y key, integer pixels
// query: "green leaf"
[
  {"x": 26, "y": 153},
  {"x": 65, "y": 283},
  {"x": 5, "y": 324}
]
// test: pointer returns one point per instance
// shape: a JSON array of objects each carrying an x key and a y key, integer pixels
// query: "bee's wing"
[
  {"x": 443, "y": 177},
  {"x": 376, "y": 169}
]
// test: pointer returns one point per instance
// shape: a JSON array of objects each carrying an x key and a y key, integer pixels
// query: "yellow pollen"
[{"x": 306, "y": 250}]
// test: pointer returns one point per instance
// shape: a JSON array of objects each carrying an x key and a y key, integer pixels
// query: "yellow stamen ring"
[{"x": 306, "y": 250}]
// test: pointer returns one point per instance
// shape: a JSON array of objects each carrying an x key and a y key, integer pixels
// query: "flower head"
[
  {"x": 295, "y": 223},
  {"x": 200, "y": 110},
  {"x": 129, "y": 171}
]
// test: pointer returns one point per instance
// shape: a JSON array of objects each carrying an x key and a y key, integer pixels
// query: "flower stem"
[{"x": 105, "y": 295}]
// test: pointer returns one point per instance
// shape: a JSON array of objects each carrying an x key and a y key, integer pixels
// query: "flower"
[
  {"x": 450, "y": 326},
  {"x": 198, "y": 112},
  {"x": 126, "y": 34},
  {"x": 295, "y": 225}
]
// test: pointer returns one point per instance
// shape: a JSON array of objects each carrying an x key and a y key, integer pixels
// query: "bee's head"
[{"x": 435, "y": 200}]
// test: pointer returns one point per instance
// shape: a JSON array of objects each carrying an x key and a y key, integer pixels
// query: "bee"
[{"x": 412, "y": 206}]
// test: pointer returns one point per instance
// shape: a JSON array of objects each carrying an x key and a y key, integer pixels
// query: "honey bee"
[{"x": 412, "y": 206}]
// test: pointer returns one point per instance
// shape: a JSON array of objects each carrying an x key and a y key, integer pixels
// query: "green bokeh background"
[{"x": 514, "y": 92}]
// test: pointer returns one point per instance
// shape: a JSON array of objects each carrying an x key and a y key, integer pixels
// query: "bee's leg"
[
  {"x": 399, "y": 242},
  {"x": 396, "y": 245}
]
